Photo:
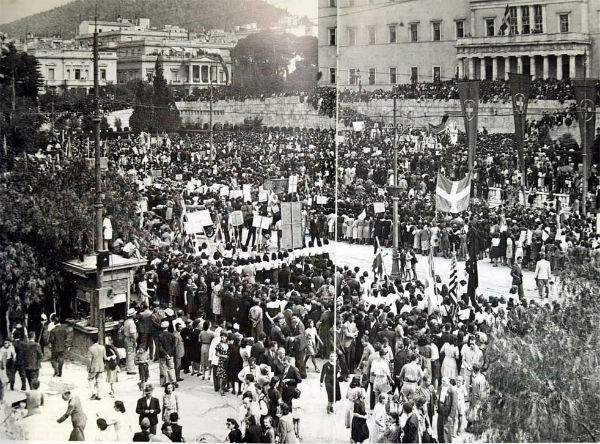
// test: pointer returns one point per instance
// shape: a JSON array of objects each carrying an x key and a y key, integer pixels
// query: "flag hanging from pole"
[
  {"x": 585, "y": 97},
  {"x": 452, "y": 288},
  {"x": 520, "y": 85},
  {"x": 505, "y": 20},
  {"x": 468, "y": 92},
  {"x": 452, "y": 196}
]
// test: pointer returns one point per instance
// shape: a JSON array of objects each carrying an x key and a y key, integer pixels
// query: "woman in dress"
[
  {"x": 312, "y": 341},
  {"x": 205, "y": 337},
  {"x": 451, "y": 354},
  {"x": 329, "y": 375},
  {"x": 112, "y": 365},
  {"x": 235, "y": 434},
  {"x": 170, "y": 402},
  {"x": 355, "y": 392},
  {"x": 235, "y": 364},
  {"x": 286, "y": 433},
  {"x": 123, "y": 431},
  {"x": 359, "y": 431},
  {"x": 222, "y": 353}
]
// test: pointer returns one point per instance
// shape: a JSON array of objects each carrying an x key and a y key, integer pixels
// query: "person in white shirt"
[{"x": 543, "y": 273}]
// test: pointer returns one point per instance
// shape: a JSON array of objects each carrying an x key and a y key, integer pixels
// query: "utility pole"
[
  {"x": 395, "y": 191},
  {"x": 97, "y": 314},
  {"x": 584, "y": 147},
  {"x": 210, "y": 130}
]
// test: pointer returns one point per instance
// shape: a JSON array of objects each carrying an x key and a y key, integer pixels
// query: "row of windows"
[
  {"x": 355, "y": 76},
  {"x": 78, "y": 74},
  {"x": 392, "y": 34},
  {"x": 514, "y": 24}
]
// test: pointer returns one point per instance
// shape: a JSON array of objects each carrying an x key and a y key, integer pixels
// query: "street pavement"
[
  {"x": 493, "y": 281},
  {"x": 203, "y": 412}
]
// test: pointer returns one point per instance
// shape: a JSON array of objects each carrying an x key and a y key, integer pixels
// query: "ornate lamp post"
[{"x": 394, "y": 192}]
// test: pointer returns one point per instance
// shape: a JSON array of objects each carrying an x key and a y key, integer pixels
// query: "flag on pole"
[
  {"x": 378, "y": 260},
  {"x": 471, "y": 266},
  {"x": 452, "y": 196},
  {"x": 505, "y": 20},
  {"x": 453, "y": 280}
]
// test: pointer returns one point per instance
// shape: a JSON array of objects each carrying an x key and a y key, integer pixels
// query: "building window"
[
  {"x": 525, "y": 20},
  {"x": 352, "y": 76},
  {"x": 332, "y": 4},
  {"x": 77, "y": 74},
  {"x": 332, "y": 35},
  {"x": 332, "y": 75},
  {"x": 414, "y": 74},
  {"x": 414, "y": 32},
  {"x": 436, "y": 31},
  {"x": 222, "y": 76},
  {"x": 460, "y": 29},
  {"x": 393, "y": 76},
  {"x": 564, "y": 22},
  {"x": 103, "y": 74},
  {"x": 392, "y": 29},
  {"x": 149, "y": 74},
  {"x": 512, "y": 18},
  {"x": 372, "y": 35},
  {"x": 204, "y": 73},
  {"x": 371, "y": 76},
  {"x": 50, "y": 74},
  {"x": 175, "y": 75},
  {"x": 436, "y": 74},
  {"x": 490, "y": 30},
  {"x": 538, "y": 19},
  {"x": 351, "y": 36}
]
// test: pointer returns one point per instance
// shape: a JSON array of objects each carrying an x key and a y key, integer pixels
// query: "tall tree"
[{"x": 166, "y": 114}]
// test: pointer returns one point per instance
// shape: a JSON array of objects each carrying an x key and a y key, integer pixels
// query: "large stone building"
[
  {"x": 378, "y": 43},
  {"x": 187, "y": 57},
  {"x": 65, "y": 65}
]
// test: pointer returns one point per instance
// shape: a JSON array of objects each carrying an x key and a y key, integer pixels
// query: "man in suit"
[
  {"x": 33, "y": 359},
  {"x": 299, "y": 336},
  {"x": 176, "y": 429},
  {"x": 165, "y": 349},
  {"x": 257, "y": 350},
  {"x": 270, "y": 356},
  {"x": 290, "y": 378},
  {"x": 277, "y": 332},
  {"x": 96, "y": 359},
  {"x": 148, "y": 408},
  {"x": 58, "y": 342},
  {"x": 517, "y": 277},
  {"x": 20, "y": 344},
  {"x": 447, "y": 411},
  {"x": 78, "y": 417},
  {"x": 144, "y": 434}
]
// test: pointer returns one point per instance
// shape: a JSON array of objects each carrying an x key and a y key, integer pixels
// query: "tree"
[
  {"x": 23, "y": 68},
  {"x": 166, "y": 114},
  {"x": 155, "y": 108},
  {"x": 543, "y": 370}
]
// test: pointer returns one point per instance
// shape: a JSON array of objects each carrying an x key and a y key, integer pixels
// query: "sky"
[{"x": 11, "y": 10}]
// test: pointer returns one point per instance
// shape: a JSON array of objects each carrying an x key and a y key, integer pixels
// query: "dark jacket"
[
  {"x": 58, "y": 339},
  {"x": 33, "y": 356},
  {"x": 142, "y": 407}
]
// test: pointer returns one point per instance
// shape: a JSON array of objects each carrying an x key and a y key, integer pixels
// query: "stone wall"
[{"x": 279, "y": 111}]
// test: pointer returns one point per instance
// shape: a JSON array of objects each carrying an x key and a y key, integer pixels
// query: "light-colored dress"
[
  {"x": 311, "y": 341},
  {"x": 170, "y": 405},
  {"x": 449, "y": 367}
]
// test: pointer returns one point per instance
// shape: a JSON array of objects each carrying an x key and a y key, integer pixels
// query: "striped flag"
[
  {"x": 452, "y": 196},
  {"x": 505, "y": 20},
  {"x": 452, "y": 288}
]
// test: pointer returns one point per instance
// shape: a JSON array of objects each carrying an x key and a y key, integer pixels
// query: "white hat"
[
  {"x": 169, "y": 312},
  {"x": 164, "y": 324},
  {"x": 131, "y": 312}
]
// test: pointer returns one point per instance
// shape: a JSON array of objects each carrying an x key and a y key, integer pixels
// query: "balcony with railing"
[{"x": 525, "y": 39}]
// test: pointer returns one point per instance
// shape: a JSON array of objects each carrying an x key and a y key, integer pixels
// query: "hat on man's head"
[
  {"x": 148, "y": 388},
  {"x": 169, "y": 312},
  {"x": 130, "y": 312},
  {"x": 164, "y": 324}
]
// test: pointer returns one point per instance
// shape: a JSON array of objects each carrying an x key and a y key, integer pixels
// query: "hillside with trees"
[{"x": 193, "y": 15}]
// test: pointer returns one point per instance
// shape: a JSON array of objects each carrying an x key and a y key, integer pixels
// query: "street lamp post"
[{"x": 394, "y": 192}]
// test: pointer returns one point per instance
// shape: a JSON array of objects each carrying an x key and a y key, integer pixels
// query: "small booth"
[{"x": 117, "y": 281}]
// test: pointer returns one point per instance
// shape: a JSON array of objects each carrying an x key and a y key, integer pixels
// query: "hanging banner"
[
  {"x": 291, "y": 225},
  {"x": 293, "y": 184},
  {"x": 469, "y": 103},
  {"x": 520, "y": 86},
  {"x": 378, "y": 207},
  {"x": 585, "y": 97},
  {"x": 236, "y": 218}
]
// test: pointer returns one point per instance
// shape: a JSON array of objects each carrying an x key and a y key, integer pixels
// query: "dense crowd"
[{"x": 490, "y": 91}]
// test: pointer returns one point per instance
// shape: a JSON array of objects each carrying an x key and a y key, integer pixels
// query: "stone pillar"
[
  {"x": 546, "y": 72},
  {"x": 572, "y": 66},
  {"x": 482, "y": 68},
  {"x": 519, "y": 20},
  {"x": 559, "y": 70},
  {"x": 519, "y": 64},
  {"x": 190, "y": 73},
  {"x": 461, "y": 68},
  {"x": 471, "y": 68},
  {"x": 473, "y": 24},
  {"x": 544, "y": 19},
  {"x": 506, "y": 67},
  {"x": 494, "y": 68},
  {"x": 532, "y": 66}
]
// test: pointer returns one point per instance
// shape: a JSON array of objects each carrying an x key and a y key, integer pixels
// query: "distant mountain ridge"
[{"x": 193, "y": 15}]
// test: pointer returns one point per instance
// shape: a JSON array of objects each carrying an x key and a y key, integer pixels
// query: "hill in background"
[{"x": 193, "y": 15}]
